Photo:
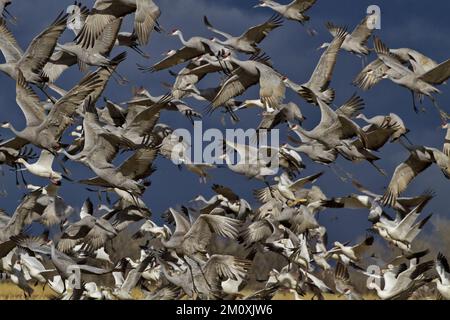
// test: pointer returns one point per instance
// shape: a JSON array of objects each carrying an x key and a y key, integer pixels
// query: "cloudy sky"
[{"x": 413, "y": 24}]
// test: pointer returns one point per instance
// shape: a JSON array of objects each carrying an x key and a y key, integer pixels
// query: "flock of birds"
[{"x": 177, "y": 259}]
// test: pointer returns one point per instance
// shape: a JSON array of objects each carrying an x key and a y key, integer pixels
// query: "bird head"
[
  {"x": 175, "y": 32},
  {"x": 323, "y": 46},
  {"x": 6, "y": 125},
  {"x": 261, "y": 5},
  {"x": 21, "y": 161},
  {"x": 169, "y": 53}
]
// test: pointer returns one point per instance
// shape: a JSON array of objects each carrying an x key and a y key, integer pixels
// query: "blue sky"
[{"x": 413, "y": 24}]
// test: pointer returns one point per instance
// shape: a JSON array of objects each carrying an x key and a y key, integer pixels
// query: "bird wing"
[
  {"x": 270, "y": 120},
  {"x": 107, "y": 39},
  {"x": 389, "y": 59},
  {"x": 361, "y": 248},
  {"x": 328, "y": 117},
  {"x": 349, "y": 129},
  {"x": 321, "y": 76},
  {"x": 61, "y": 115},
  {"x": 104, "y": 74},
  {"x": 258, "y": 33},
  {"x": 403, "y": 175},
  {"x": 301, "y": 5},
  {"x": 272, "y": 89},
  {"x": 267, "y": 194},
  {"x": 182, "y": 55},
  {"x": 362, "y": 31},
  {"x": 139, "y": 165},
  {"x": 8, "y": 44},
  {"x": 145, "y": 120},
  {"x": 210, "y": 27},
  {"x": 226, "y": 192},
  {"x": 371, "y": 75},
  {"x": 45, "y": 159},
  {"x": 23, "y": 215},
  {"x": 201, "y": 231},
  {"x": 29, "y": 102},
  {"x": 257, "y": 231},
  {"x": 234, "y": 86},
  {"x": 300, "y": 183},
  {"x": 103, "y": 13},
  {"x": 41, "y": 48},
  {"x": 224, "y": 267},
  {"x": 59, "y": 62},
  {"x": 438, "y": 75},
  {"x": 145, "y": 20},
  {"x": 443, "y": 269},
  {"x": 352, "y": 107}
]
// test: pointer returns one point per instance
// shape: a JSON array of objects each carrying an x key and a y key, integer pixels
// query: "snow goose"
[
  {"x": 443, "y": 281},
  {"x": 401, "y": 281},
  {"x": 43, "y": 167}
]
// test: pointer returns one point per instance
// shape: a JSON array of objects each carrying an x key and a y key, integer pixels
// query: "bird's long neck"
[
  {"x": 180, "y": 35},
  {"x": 363, "y": 116},
  {"x": 13, "y": 130}
]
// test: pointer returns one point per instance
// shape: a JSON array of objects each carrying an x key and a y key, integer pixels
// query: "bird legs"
[
  {"x": 194, "y": 287},
  {"x": 443, "y": 114}
]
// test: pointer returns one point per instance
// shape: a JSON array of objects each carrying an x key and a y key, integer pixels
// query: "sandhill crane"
[
  {"x": 91, "y": 232},
  {"x": 321, "y": 77},
  {"x": 253, "y": 162},
  {"x": 192, "y": 48},
  {"x": 355, "y": 42},
  {"x": 288, "y": 113},
  {"x": 248, "y": 41},
  {"x": 256, "y": 70},
  {"x": 420, "y": 159},
  {"x": 23, "y": 216},
  {"x": 43, "y": 130},
  {"x": 20, "y": 278},
  {"x": 146, "y": 16},
  {"x": 31, "y": 62},
  {"x": 443, "y": 281},
  {"x": 392, "y": 120},
  {"x": 191, "y": 240},
  {"x": 376, "y": 70},
  {"x": 420, "y": 84},
  {"x": 343, "y": 283},
  {"x": 295, "y": 10},
  {"x": 97, "y": 55},
  {"x": 334, "y": 127}
]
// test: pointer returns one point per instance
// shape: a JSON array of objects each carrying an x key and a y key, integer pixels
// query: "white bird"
[
  {"x": 43, "y": 167},
  {"x": 443, "y": 281}
]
